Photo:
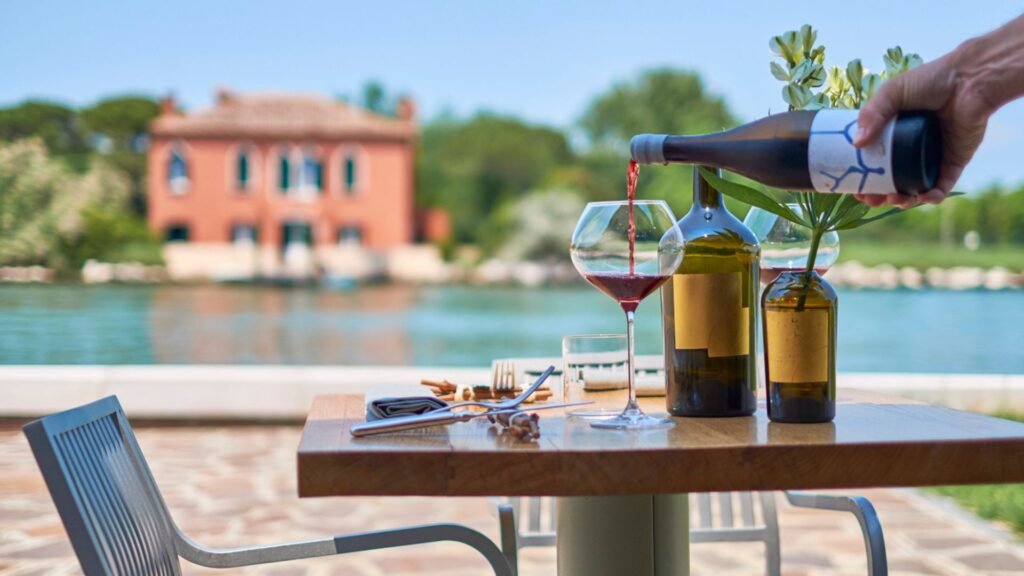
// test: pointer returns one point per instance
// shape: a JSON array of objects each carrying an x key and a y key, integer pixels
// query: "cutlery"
[
  {"x": 439, "y": 417},
  {"x": 505, "y": 404},
  {"x": 504, "y": 377}
]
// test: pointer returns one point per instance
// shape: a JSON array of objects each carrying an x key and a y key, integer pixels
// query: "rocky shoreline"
[
  {"x": 850, "y": 274},
  {"x": 853, "y": 274}
]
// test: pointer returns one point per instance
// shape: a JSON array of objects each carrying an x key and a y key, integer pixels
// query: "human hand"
[{"x": 963, "y": 113}]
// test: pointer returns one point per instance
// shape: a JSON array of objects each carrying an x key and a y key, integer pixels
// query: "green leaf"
[
  {"x": 913, "y": 61},
  {"x": 749, "y": 195},
  {"x": 893, "y": 60},
  {"x": 779, "y": 72},
  {"x": 796, "y": 96},
  {"x": 783, "y": 46},
  {"x": 849, "y": 211},
  {"x": 854, "y": 73},
  {"x": 876, "y": 217},
  {"x": 801, "y": 71},
  {"x": 818, "y": 102},
  {"x": 816, "y": 77},
  {"x": 869, "y": 85},
  {"x": 808, "y": 35}
]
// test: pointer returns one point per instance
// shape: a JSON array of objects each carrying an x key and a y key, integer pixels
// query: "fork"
[
  {"x": 504, "y": 378},
  {"x": 506, "y": 404}
]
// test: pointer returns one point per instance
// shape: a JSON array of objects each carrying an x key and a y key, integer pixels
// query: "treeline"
[
  {"x": 511, "y": 186},
  {"x": 73, "y": 183}
]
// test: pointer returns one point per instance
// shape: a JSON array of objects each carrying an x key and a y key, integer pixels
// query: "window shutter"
[
  {"x": 284, "y": 171},
  {"x": 320, "y": 176},
  {"x": 243, "y": 170},
  {"x": 350, "y": 173}
]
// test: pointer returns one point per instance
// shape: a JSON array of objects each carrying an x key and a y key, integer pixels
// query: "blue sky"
[{"x": 542, "y": 60}]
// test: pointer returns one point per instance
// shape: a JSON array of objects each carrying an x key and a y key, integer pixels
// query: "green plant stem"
[{"x": 812, "y": 256}]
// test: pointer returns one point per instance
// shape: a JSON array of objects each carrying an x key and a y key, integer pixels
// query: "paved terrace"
[{"x": 235, "y": 485}]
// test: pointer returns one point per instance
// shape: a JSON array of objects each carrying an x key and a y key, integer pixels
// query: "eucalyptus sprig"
[{"x": 803, "y": 70}]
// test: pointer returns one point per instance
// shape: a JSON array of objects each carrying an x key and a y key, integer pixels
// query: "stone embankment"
[
  {"x": 886, "y": 277},
  {"x": 851, "y": 274}
]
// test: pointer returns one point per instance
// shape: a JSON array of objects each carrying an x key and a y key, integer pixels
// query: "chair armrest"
[
  {"x": 863, "y": 510},
  {"x": 236, "y": 557},
  {"x": 509, "y": 535}
]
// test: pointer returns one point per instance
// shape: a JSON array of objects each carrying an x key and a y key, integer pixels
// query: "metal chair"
[
  {"x": 527, "y": 522},
  {"x": 118, "y": 523}
]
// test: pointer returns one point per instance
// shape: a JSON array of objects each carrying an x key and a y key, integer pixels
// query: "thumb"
[{"x": 887, "y": 101}]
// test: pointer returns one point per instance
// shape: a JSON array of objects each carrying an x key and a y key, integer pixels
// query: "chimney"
[
  {"x": 226, "y": 96},
  {"x": 168, "y": 106},
  {"x": 406, "y": 109}
]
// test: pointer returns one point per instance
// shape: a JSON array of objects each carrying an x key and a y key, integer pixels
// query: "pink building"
[{"x": 282, "y": 185}]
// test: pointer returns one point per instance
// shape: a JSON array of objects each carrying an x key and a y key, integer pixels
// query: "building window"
[
  {"x": 177, "y": 233},
  {"x": 312, "y": 176},
  {"x": 296, "y": 233},
  {"x": 350, "y": 173},
  {"x": 350, "y": 235},
  {"x": 284, "y": 172},
  {"x": 242, "y": 170},
  {"x": 177, "y": 171},
  {"x": 244, "y": 234}
]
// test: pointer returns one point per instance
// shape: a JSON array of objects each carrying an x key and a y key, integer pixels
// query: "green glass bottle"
[
  {"x": 799, "y": 312},
  {"x": 709, "y": 309}
]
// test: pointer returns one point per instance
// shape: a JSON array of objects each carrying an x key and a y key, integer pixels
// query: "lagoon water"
[{"x": 901, "y": 331}]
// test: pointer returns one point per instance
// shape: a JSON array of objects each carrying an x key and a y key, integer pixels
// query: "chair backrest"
[
  {"x": 717, "y": 511},
  {"x": 104, "y": 491},
  {"x": 715, "y": 517}
]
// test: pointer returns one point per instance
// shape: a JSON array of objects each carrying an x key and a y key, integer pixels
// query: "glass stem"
[{"x": 632, "y": 406}]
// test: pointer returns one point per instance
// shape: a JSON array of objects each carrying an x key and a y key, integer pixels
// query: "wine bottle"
[
  {"x": 813, "y": 150},
  {"x": 709, "y": 311},
  {"x": 799, "y": 311}
]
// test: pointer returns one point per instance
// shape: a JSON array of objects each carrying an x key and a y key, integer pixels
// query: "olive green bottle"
[
  {"x": 709, "y": 309},
  {"x": 799, "y": 311}
]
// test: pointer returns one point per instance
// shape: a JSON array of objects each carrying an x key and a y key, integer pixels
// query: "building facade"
[{"x": 283, "y": 185}]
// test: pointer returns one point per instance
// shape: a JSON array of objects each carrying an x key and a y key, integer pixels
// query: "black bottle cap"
[{"x": 916, "y": 152}]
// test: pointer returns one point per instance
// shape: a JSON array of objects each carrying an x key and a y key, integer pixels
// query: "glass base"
[
  {"x": 634, "y": 420},
  {"x": 594, "y": 413}
]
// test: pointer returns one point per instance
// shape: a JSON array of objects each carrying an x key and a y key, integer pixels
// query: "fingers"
[
  {"x": 934, "y": 196},
  {"x": 873, "y": 200},
  {"x": 904, "y": 201},
  {"x": 883, "y": 105}
]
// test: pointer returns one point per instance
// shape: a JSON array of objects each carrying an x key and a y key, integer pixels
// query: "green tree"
[
  {"x": 663, "y": 100},
  {"x": 122, "y": 124},
  {"x": 474, "y": 167},
  {"x": 48, "y": 213},
  {"x": 56, "y": 124},
  {"x": 376, "y": 99}
]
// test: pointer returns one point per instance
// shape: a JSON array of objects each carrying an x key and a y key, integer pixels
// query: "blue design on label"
[{"x": 861, "y": 168}]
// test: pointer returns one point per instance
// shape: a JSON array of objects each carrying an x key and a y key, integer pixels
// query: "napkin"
[
  {"x": 392, "y": 400},
  {"x": 601, "y": 380}
]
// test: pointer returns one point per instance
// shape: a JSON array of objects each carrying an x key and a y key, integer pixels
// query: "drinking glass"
[
  {"x": 593, "y": 362},
  {"x": 627, "y": 250},
  {"x": 785, "y": 245}
]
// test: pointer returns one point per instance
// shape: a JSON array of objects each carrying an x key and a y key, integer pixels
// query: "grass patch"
[
  {"x": 923, "y": 256},
  {"x": 1000, "y": 502}
]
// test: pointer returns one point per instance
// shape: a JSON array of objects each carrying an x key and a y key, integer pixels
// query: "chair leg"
[
  {"x": 867, "y": 517},
  {"x": 772, "y": 546},
  {"x": 509, "y": 545}
]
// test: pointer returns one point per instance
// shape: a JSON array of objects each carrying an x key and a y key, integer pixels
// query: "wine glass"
[
  {"x": 627, "y": 250},
  {"x": 785, "y": 245}
]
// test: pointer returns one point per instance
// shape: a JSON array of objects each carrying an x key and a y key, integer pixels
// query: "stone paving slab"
[{"x": 236, "y": 486}]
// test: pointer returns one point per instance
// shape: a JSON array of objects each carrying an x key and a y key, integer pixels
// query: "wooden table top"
[{"x": 875, "y": 440}]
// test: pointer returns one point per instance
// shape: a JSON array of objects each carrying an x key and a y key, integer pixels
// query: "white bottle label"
[{"x": 837, "y": 166}]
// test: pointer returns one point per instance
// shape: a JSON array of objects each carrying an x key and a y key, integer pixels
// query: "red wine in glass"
[
  {"x": 627, "y": 289},
  {"x": 632, "y": 176}
]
